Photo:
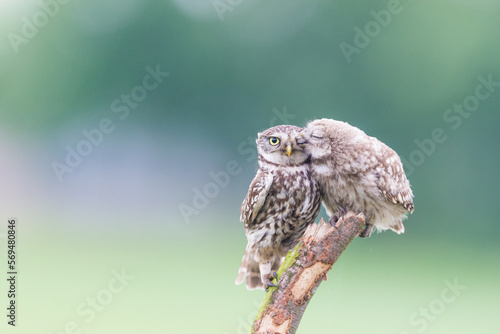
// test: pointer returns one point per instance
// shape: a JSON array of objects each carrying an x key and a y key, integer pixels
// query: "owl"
[
  {"x": 282, "y": 200},
  {"x": 359, "y": 173}
]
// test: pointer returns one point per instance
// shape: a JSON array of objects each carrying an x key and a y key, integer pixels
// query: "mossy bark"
[{"x": 301, "y": 273}]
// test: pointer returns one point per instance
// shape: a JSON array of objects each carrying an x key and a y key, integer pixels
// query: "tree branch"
[{"x": 301, "y": 273}]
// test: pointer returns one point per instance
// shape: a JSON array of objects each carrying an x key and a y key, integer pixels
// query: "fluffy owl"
[
  {"x": 281, "y": 201},
  {"x": 359, "y": 173}
]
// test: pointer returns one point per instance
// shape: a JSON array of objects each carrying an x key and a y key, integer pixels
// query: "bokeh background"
[{"x": 142, "y": 203}]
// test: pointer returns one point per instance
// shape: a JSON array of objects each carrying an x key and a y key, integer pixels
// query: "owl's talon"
[
  {"x": 271, "y": 285},
  {"x": 367, "y": 231},
  {"x": 333, "y": 220}
]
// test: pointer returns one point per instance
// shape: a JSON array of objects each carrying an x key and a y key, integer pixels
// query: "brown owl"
[
  {"x": 281, "y": 201},
  {"x": 359, "y": 173}
]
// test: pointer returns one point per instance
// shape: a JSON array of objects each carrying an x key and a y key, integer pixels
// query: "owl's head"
[
  {"x": 282, "y": 145},
  {"x": 326, "y": 137}
]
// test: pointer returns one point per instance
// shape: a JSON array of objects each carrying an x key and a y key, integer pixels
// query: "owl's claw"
[
  {"x": 367, "y": 231},
  {"x": 333, "y": 220},
  {"x": 270, "y": 283},
  {"x": 336, "y": 217}
]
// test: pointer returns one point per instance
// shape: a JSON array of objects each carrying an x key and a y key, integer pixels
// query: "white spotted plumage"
[{"x": 281, "y": 201}]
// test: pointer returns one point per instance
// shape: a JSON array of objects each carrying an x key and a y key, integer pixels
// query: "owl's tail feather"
[
  {"x": 398, "y": 228},
  {"x": 249, "y": 270}
]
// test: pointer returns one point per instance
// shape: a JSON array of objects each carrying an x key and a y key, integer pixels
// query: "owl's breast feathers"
[{"x": 290, "y": 198}]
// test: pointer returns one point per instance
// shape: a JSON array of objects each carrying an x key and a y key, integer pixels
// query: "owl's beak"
[{"x": 288, "y": 149}]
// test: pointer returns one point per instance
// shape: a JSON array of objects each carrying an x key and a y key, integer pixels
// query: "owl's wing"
[
  {"x": 257, "y": 193},
  {"x": 392, "y": 181}
]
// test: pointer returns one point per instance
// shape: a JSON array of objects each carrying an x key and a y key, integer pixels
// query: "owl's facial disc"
[
  {"x": 317, "y": 143},
  {"x": 317, "y": 133},
  {"x": 282, "y": 145}
]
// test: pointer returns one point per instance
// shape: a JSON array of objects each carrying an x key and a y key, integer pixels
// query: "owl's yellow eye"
[{"x": 274, "y": 141}]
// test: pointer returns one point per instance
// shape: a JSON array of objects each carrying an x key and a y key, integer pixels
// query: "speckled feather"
[
  {"x": 281, "y": 201},
  {"x": 359, "y": 173}
]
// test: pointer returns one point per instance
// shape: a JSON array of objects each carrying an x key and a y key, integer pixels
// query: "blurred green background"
[{"x": 130, "y": 206}]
